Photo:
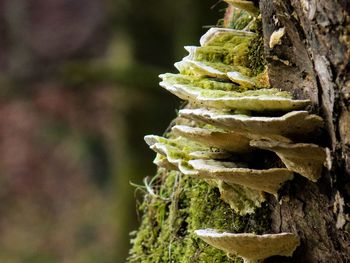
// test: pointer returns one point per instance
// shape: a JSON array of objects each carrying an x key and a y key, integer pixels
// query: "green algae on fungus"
[
  {"x": 263, "y": 180},
  {"x": 229, "y": 56},
  {"x": 224, "y": 37},
  {"x": 167, "y": 230},
  {"x": 215, "y": 69},
  {"x": 185, "y": 146},
  {"x": 162, "y": 162},
  {"x": 251, "y": 100},
  {"x": 180, "y": 150},
  {"x": 263, "y": 94},
  {"x": 199, "y": 81},
  {"x": 179, "y": 157},
  {"x": 236, "y": 55},
  {"x": 216, "y": 88}
]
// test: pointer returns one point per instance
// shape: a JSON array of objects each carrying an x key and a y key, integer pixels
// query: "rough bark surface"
[{"x": 312, "y": 61}]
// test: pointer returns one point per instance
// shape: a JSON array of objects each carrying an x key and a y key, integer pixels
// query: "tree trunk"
[{"x": 311, "y": 61}]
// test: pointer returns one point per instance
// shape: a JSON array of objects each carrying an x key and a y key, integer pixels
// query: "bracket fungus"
[
  {"x": 162, "y": 161},
  {"x": 223, "y": 97},
  {"x": 223, "y": 36},
  {"x": 179, "y": 151},
  {"x": 219, "y": 138},
  {"x": 225, "y": 55},
  {"x": 176, "y": 154},
  {"x": 213, "y": 69},
  {"x": 175, "y": 158},
  {"x": 242, "y": 80},
  {"x": 291, "y": 124},
  {"x": 269, "y": 180},
  {"x": 254, "y": 100},
  {"x": 252, "y": 248},
  {"x": 303, "y": 158}
]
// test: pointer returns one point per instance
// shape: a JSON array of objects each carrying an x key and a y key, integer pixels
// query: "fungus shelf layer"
[{"x": 252, "y": 248}]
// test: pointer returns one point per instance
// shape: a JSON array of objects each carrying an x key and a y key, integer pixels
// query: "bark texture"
[{"x": 312, "y": 61}]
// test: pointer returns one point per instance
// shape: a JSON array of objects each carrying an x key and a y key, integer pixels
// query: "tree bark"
[{"x": 312, "y": 61}]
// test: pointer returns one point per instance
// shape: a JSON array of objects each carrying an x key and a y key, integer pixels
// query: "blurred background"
[{"x": 78, "y": 91}]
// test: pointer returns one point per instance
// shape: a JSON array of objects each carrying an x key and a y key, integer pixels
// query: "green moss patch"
[
  {"x": 228, "y": 40},
  {"x": 184, "y": 205},
  {"x": 235, "y": 55},
  {"x": 256, "y": 58}
]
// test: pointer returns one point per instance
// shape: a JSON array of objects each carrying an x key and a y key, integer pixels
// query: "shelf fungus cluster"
[{"x": 232, "y": 117}]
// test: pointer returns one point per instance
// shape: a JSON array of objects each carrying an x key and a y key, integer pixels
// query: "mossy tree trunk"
[{"x": 312, "y": 61}]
